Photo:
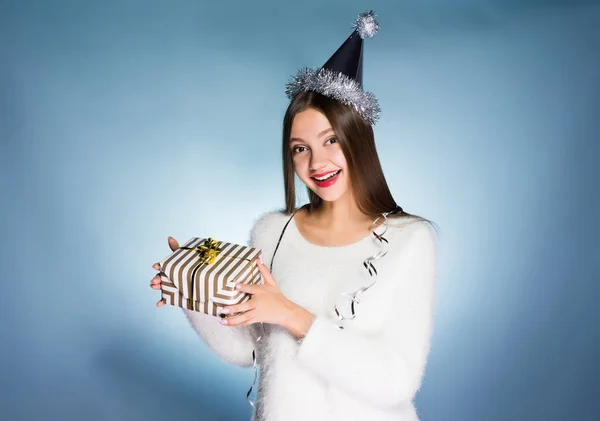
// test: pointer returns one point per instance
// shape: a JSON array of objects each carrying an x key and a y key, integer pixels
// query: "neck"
[{"x": 341, "y": 215}]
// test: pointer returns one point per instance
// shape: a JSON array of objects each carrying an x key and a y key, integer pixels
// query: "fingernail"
[
  {"x": 260, "y": 258},
  {"x": 223, "y": 321},
  {"x": 238, "y": 286},
  {"x": 225, "y": 311}
]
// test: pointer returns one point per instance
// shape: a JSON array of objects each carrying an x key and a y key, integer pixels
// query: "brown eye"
[
  {"x": 297, "y": 149},
  {"x": 333, "y": 140}
]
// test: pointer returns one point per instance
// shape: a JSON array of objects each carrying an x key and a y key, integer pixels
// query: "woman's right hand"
[{"x": 156, "y": 281}]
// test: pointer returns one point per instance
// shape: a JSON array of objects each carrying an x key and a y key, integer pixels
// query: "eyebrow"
[{"x": 324, "y": 132}]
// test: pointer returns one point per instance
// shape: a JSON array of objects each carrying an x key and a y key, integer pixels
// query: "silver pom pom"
[
  {"x": 337, "y": 86},
  {"x": 366, "y": 25}
]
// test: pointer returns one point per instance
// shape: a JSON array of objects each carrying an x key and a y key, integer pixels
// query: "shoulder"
[
  {"x": 266, "y": 231},
  {"x": 412, "y": 238},
  {"x": 407, "y": 272},
  {"x": 266, "y": 226},
  {"x": 411, "y": 261}
]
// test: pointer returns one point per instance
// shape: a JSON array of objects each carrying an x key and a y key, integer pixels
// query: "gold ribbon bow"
[{"x": 208, "y": 251}]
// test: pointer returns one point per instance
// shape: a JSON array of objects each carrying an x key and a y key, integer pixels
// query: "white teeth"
[{"x": 327, "y": 177}]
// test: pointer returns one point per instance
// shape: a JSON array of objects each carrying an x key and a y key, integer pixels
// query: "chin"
[{"x": 329, "y": 195}]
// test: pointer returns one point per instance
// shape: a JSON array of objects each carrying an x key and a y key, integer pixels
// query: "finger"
[
  {"x": 156, "y": 282},
  {"x": 248, "y": 289},
  {"x": 160, "y": 303},
  {"x": 238, "y": 308},
  {"x": 156, "y": 266},
  {"x": 241, "y": 320},
  {"x": 173, "y": 244},
  {"x": 266, "y": 274}
]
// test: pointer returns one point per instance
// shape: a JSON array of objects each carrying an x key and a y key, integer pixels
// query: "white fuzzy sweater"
[{"x": 372, "y": 369}]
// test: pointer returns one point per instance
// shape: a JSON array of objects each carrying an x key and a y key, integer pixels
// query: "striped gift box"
[{"x": 190, "y": 282}]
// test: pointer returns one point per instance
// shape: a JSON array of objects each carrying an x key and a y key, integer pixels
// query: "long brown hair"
[{"x": 357, "y": 140}]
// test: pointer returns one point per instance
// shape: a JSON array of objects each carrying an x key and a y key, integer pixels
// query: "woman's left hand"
[{"x": 267, "y": 304}]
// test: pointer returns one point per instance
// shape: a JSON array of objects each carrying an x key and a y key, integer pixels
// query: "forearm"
[
  {"x": 298, "y": 321},
  {"x": 382, "y": 371}
]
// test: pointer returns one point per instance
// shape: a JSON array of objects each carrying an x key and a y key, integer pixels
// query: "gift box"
[{"x": 201, "y": 275}]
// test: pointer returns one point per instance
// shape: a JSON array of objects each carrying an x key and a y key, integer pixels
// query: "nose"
[{"x": 318, "y": 160}]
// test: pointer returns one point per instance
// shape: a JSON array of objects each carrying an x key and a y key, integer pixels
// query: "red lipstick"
[{"x": 328, "y": 181}]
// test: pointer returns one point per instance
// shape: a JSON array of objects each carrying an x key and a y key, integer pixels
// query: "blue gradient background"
[{"x": 113, "y": 112}]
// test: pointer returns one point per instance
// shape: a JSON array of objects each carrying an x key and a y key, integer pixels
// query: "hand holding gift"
[
  {"x": 267, "y": 305},
  {"x": 155, "y": 283},
  {"x": 201, "y": 275},
  {"x": 246, "y": 302}
]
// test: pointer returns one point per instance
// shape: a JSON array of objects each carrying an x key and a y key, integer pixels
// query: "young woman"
[{"x": 343, "y": 322}]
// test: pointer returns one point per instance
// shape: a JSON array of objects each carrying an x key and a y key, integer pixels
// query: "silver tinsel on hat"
[
  {"x": 366, "y": 25},
  {"x": 337, "y": 86}
]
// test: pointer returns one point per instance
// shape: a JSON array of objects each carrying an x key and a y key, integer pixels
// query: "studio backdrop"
[{"x": 125, "y": 122}]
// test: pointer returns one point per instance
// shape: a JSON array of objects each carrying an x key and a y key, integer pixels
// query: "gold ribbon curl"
[{"x": 208, "y": 251}]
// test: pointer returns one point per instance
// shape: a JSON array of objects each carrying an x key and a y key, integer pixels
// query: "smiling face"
[
  {"x": 317, "y": 156},
  {"x": 310, "y": 148}
]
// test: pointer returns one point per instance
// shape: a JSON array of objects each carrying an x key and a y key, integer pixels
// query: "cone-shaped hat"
[{"x": 340, "y": 78}]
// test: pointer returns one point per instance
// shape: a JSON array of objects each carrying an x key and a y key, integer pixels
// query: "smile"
[{"x": 326, "y": 180}]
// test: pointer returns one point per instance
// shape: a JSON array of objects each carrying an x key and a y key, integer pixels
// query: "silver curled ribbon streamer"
[
  {"x": 254, "y": 364},
  {"x": 370, "y": 267}
]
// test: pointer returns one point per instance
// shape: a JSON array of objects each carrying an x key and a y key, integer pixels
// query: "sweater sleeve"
[
  {"x": 232, "y": 344},
  {"x": 385, "y": 368}
]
